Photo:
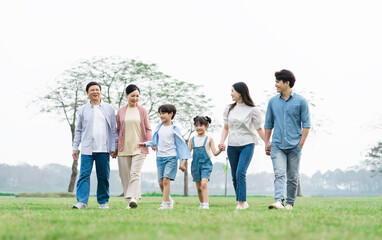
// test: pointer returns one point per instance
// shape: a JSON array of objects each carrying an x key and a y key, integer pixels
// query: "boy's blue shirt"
[{"x": 182, "y": 150}]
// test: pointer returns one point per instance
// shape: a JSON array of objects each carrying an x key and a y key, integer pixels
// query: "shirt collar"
[
  {"x": 101, "y": 104},
  {"x": 291, "y": 95}
]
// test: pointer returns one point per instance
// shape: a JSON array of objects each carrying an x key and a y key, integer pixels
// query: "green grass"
[{"x": 312, "y": 218}]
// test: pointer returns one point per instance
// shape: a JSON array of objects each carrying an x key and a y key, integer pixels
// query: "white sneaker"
[
  {"x": 171, "y": 203},
  {"x": 80, "y": 205},
  {"x": 133, "y": 203},
  {"x": 205, "y": 207},
  {"x": 276, "y": 205},
  {"x": 289, "y": 207},
  {"x": 104, "y": 206},
  {"x": 164, "y": 206},
  {"x": 242, "y": 207},
  {"x": 200, "y": 207}
]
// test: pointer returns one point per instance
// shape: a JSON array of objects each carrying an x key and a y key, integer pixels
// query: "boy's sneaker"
[
  {"x": 80, "y": 205},
  {"x": 133, "y": 203},
  {"x": 242, "y": 207},
  {"x": 171, "y": 202},
  {"x": 276, "y": 205},
  {"x": 205, "y": 207},
  {"x": 289, "y": 207},
  {"x": 104, "y": 206},
  {"x": 164, "y": 206}
]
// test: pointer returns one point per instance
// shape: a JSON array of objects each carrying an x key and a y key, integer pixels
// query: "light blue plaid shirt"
[
  {"x": 287, "y": 118},
  {"x": 84, "y": 128}
]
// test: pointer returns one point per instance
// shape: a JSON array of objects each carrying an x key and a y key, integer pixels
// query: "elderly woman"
[{"x": 133, "y": 127}]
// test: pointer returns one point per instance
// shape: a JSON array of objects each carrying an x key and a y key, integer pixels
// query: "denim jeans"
[
  {"x": 103, "y": 174},
  {"x": 239, "y": 158},
  {"x": 286, "y": 164}
]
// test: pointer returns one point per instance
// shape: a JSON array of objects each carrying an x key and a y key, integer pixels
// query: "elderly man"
[{"x": 96, "y": 131}]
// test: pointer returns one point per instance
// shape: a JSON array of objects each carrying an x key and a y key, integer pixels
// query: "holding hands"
[
  {"x": 221, "y": 147},
  {"x": 182, "y": 166},
  {"x": 268, "y": 148}
]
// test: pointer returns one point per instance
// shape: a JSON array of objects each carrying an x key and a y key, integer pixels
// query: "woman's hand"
[{"x": 221, "y": 147}]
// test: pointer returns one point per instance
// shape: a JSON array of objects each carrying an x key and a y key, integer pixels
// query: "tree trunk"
[
  {"x": 186, "y": 180},
  {"x": 73, "y": 176},
  {"x": 299, "y": 188}
]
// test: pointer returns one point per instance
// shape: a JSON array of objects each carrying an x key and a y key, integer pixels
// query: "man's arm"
[
  {"x": 304, "y": 135},
  {"x": 268, "y": 133}
]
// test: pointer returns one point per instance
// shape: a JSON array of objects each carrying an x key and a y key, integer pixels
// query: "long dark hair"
[{"x": 242, "y": 88}]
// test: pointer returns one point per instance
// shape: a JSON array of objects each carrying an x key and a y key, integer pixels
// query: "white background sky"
[{"x": 333, "y": 47}]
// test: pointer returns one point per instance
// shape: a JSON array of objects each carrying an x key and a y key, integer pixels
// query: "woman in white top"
[{"x": 241, "y": 119}]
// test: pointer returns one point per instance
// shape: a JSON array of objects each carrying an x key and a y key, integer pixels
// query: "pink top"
[{"x": 146, "y": 132}]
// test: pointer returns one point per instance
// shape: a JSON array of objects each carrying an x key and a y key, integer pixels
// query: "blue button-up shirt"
[
  {"x": 84, "y": 128},
  {"x": 287, "y": 118}
]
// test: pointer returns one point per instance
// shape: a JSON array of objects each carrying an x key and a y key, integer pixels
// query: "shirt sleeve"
[
  {"x": 78, "y": 130},
  {"x": 256, "y": 118},
  {"x": 269, "y": 118},
  {"x": 305, "y": 114},
  {"x": 225, "y": 115}
]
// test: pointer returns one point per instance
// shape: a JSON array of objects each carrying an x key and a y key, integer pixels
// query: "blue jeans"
[
  {"x": 103, "y": 174},
  {"x": 286, "y": 165},
  {"x": 239, "y": 158}
]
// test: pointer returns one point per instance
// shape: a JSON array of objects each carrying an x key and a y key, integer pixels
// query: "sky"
[{"x": 333, "y": 47}]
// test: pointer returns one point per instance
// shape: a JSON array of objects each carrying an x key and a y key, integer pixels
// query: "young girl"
[{"x": 201, "y": 166}]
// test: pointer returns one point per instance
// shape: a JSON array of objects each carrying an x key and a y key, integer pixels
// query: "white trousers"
[{"x": 130, "y": 173}]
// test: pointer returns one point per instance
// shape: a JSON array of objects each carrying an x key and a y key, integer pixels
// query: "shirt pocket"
[{"x": 294, "y": 111}]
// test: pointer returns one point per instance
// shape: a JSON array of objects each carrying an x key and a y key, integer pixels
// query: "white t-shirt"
[
  {"x": 242, "y": 121},
  {"x": 199, "y": 142},
  {"x": 166, "y": 142},
  {"x": 99, "y": 131}
]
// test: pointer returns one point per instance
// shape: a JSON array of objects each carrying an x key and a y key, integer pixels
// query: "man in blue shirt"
[
  {"x": 288, "y": 115},
  {"x": 96, "y": 132}
]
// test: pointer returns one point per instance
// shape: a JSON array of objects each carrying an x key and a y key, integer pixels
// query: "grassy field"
[{"x": 312, "y": 218}]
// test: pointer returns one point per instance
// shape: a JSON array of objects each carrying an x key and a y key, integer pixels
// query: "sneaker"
[
  {"x": 164, "y": 206},
  {"x": 242, "y": 207},
  {"x": 200, "y": 207},
  {"x": 289, "y": 207},
  {"x": 104, "y": 206},
  {"x": 133, "y": 203},
  {"x": 205, "y": 207},
  {"x": 128, "y": 207},
  {"x": 80, "y": 205},
  {"x": 276, "y": 205},
  {"x": 171, "y": 203}
]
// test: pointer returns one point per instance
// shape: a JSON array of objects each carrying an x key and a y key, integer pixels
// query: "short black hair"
[
  {"x": 131, "y": 88},
  {"x": 167, "y": 108},
  {"x": 286, "y": 76},
  {"x": 202, "y": 120},
  {"x": 92, "y": 84}
]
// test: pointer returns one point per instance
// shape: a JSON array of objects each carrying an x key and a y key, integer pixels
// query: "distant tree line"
[{"x": 53, "y": 178}]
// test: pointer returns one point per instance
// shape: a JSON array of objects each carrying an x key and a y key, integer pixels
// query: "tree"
[
  {"x": 114, "y": 74},
  {"x": 373, "y": 159}
]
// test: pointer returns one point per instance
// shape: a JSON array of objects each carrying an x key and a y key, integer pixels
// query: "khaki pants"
[{"x": 130, "y": 173}]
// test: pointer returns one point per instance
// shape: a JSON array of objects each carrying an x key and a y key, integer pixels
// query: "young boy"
[{"x": 170, "y": 147}]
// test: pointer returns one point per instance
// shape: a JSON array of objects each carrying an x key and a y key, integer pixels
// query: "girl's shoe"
[{"x": 164, "y": 206}]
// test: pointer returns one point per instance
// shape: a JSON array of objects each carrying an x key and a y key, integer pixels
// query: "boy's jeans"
[
  {"x": 103, "y": 174},
  {"x": 239, "y": 158},
  {"x": 286, "y": 164}
]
